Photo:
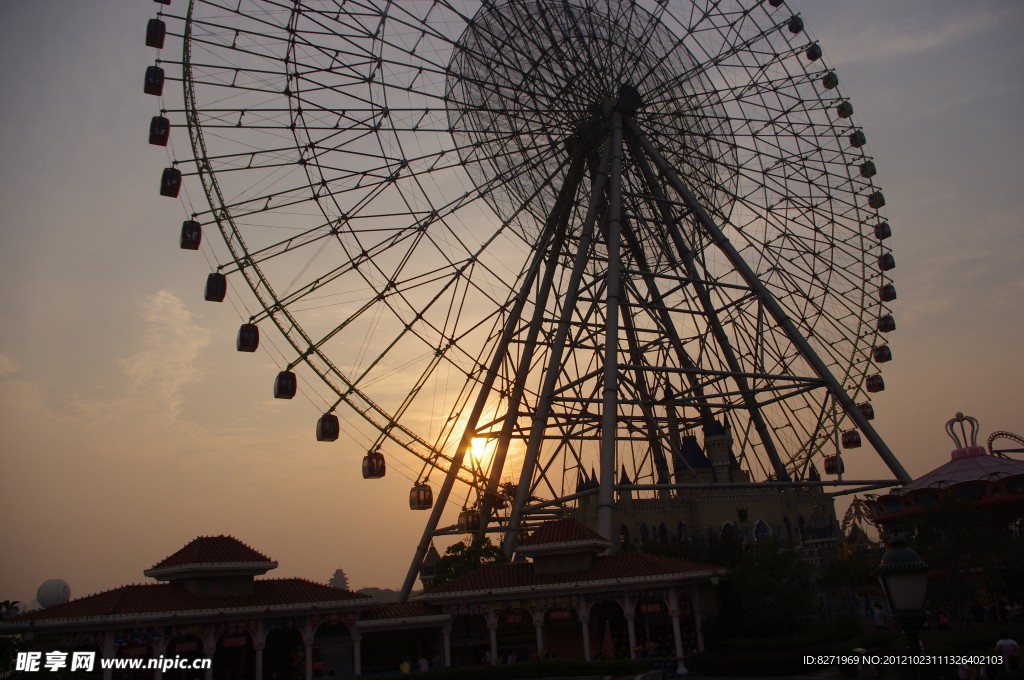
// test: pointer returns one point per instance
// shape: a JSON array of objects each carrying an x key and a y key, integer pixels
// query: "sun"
[{"x": 478, "y": 448}]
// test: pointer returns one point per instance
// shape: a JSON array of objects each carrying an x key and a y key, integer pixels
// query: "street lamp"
[{"x": 904, "y": 579}]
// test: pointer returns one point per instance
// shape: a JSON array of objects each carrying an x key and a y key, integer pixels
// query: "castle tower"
[{"x": 717, "y": 446}]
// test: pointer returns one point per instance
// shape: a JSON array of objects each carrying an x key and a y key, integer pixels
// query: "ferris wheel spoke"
[{"x": 400, "y": 165}]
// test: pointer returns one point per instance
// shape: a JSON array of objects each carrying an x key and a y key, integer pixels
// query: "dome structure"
[
  {"x": 980, "y": 475},
  {"x": 53, "y": 592}
]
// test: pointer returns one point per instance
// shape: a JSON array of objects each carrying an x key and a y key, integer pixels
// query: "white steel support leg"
[
  {"x": 554, "y": 367},
  {"x": 610, "y": 396},
  {"x": 557, "y": 222},
  {"x": 474, "y": 417},
  {"x": 770, "y": 303}
]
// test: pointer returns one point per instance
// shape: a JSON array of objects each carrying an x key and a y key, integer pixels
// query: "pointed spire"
[{"x": 623, "y": 477}]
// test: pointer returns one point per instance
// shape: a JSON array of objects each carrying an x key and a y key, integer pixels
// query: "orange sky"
[{"x": 129, "y": 424}]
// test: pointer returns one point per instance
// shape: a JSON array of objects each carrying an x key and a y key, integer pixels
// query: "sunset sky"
[{"x": 129, "y": 424}]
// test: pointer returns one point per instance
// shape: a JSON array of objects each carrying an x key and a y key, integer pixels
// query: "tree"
[
  {"x": 770, "y": 590},
  {"x": 465, "y": 558},
  {"x": 966, "y": 546}
]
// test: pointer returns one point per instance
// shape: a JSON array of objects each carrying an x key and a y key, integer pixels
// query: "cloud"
[
  {"x": 874, "y": 44},
  {"x": 157, "y": 375},
  {"x": 7, "y": 365}
]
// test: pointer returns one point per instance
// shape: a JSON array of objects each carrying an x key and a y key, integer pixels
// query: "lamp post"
[{"x": 904, "y": 579}]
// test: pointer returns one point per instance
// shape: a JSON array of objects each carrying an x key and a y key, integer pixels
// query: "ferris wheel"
[{"x": 524, "y": 246}]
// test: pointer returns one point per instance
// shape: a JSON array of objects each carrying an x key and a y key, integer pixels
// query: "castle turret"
[{"x": 717, "y": 446}]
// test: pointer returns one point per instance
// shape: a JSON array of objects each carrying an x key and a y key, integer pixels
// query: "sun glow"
[{"x": 478, "y": 448}]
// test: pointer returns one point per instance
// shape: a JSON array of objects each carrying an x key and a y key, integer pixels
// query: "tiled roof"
[
  {"x": 560, "y": 531},
  {"x": 165, "y": 597},
  {"x": 212, "y": 550},
  {"x": 604, "y": 567},
  {"x": 400, "y": 610}
]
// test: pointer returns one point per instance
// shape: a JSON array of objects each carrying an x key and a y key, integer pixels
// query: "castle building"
[{"x": 722, "y": 502}]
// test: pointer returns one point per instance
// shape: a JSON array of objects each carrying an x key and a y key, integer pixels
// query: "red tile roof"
[
  {"x": 165, "y": 597},
  {"x": 400, "y": 610},
  {"x": 212, "y": 550},
  {"x": 604, "y": 567},
  {"x": 560, "y": 531}
]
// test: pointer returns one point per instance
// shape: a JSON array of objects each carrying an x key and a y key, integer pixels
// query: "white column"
[
  {"x": 109, "y": 652},
  {"x": 585, "y": 626},
  {"x": 208, "y": 653},
  {"x": 155, "y": 646},
  {"x": 446, "y": 635},
  {"x": 307, "y": 640},
  {"x": 629, "y": 609},
  {"x": 209, "y": 648},
  {"x": 492, "y": 628},
  {"x": 631, "y": 627},
  {"x": 673, "y": 611},
  {"x": 695, "y": 601},
  {"x": 258, "y": 650},
  {"x": 357, "y": 653},
  {"x": 538, "y": 626}
]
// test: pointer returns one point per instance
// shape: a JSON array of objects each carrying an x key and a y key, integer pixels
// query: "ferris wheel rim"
[{"x": 275, "y": 310}]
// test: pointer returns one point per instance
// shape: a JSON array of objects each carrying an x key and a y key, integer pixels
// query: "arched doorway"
[
  {"x": 609, "y": 633},
  {"x": 653, "y": 626},
  {"x": 384, "y": 651},
  {"x": 186, "y": 647},
  {"x": 234, "y": 657},
  {"x": 516, "y": 634},
  {"x": 284, "y": 655},
  {"x": 563, "y": 633},
  {"x": 470, "y": 640},
  {"x": 133, "y": 650},
  {"x": 332, "y": 651},
  {"x": 97, "y": 669}
]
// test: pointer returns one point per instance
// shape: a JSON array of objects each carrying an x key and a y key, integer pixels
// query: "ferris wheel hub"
[{"x": 585, "y": 60}]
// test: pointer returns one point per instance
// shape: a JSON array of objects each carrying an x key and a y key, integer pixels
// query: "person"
[
  {"x": 1007, "y": 647},
  {"x": 423, "y": 664},
  {"x": 512, "y": 657},
  {"x": 651, "y": 650},
  {"x": 943, "y": 621},
  {"x": 880, "y": 618},
  {"x": 405, "y": 667}
]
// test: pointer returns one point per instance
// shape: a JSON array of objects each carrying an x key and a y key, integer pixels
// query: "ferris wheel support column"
[
  {"x": 554, "y": 367},
  {"x": 559, "y": 222},
  {"x": 610, "y": 400},
  {"x": 771, "y": 304},
  {"x": 467, "y": 436},
  {"x": 686, "y": 255}
]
